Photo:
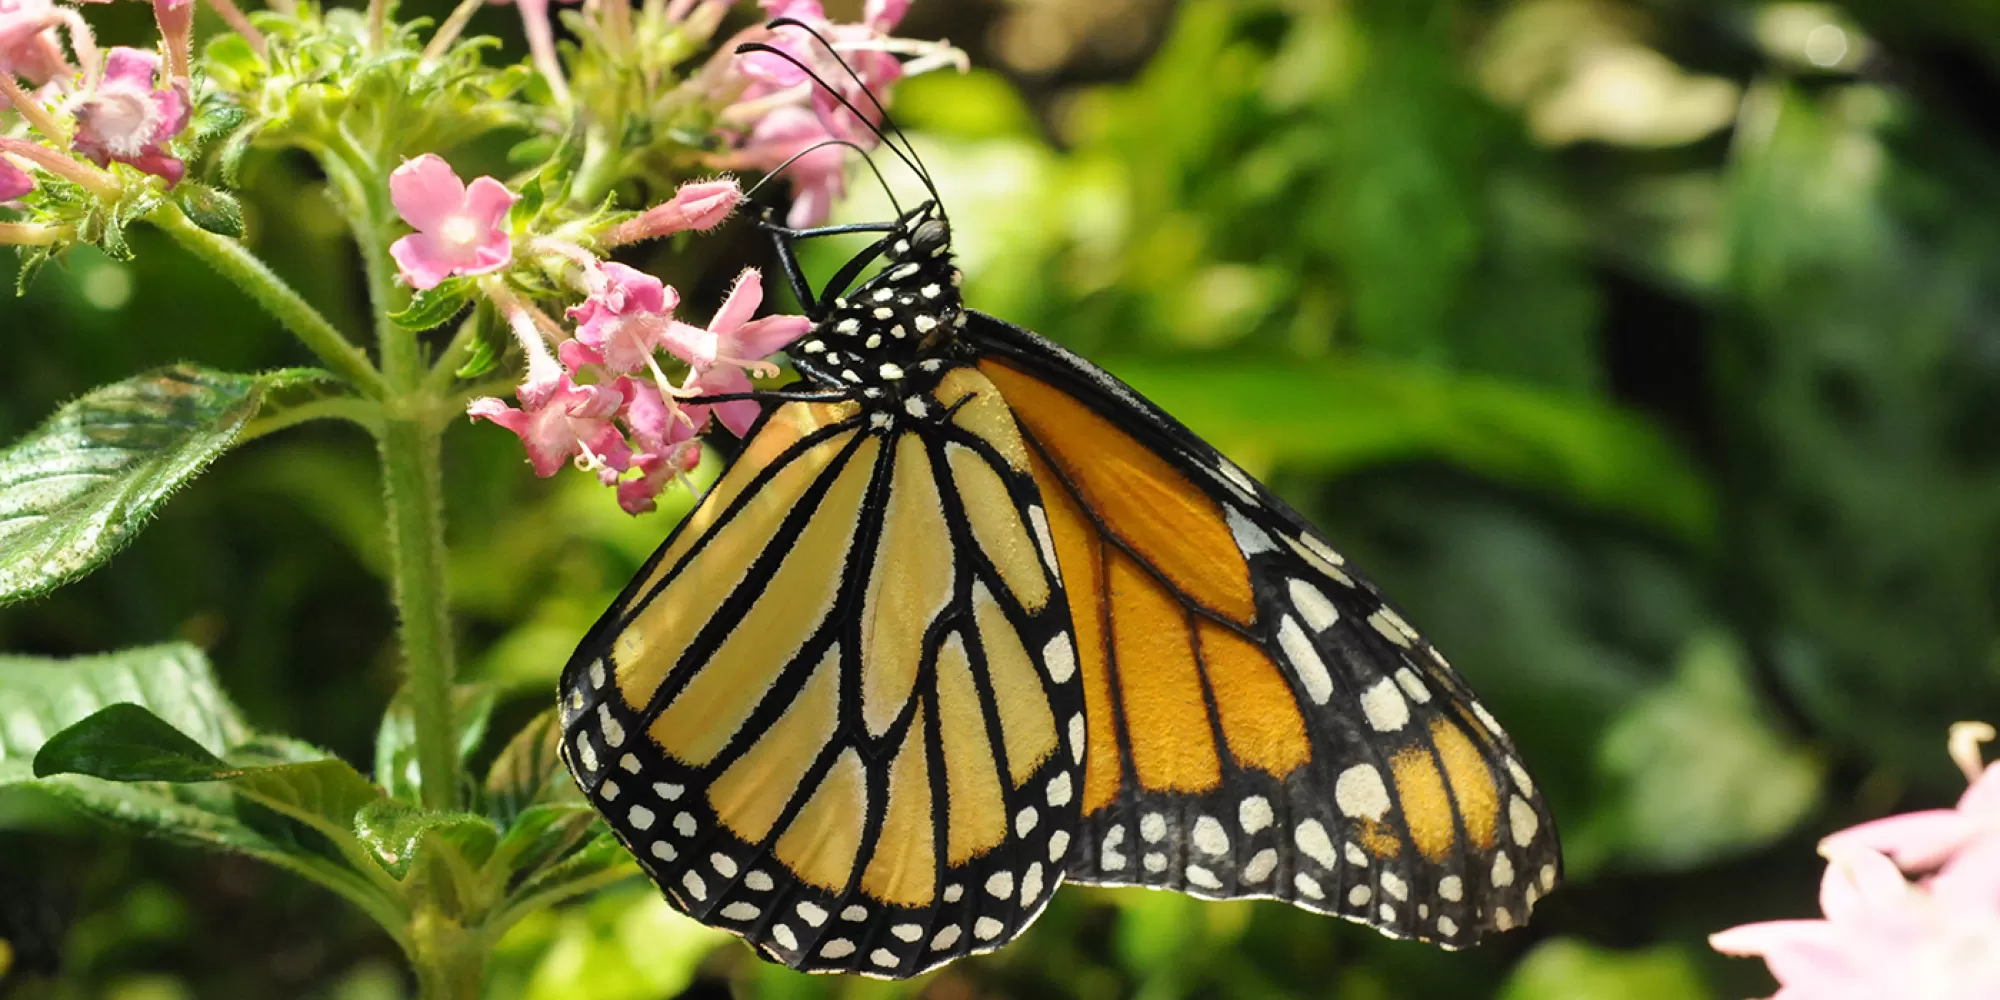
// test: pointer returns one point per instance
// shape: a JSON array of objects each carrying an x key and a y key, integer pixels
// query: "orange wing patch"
[
  {"x": 1080, "y": 554},
  {"x": 1166, "y": 718},
  {"x": 1160, "y": 514},
  {"x": 1131, "y": 627}
]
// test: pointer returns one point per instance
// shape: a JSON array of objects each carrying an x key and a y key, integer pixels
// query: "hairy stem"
[
  {"x": 239, "y": 265},
  {"x": 413, "y": 493}
]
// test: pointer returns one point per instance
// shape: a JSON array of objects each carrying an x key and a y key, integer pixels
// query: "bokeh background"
[{"x": 1647, "y": 352}]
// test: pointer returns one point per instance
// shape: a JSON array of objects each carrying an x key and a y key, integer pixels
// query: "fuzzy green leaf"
[
  {"x": 173, "y": 686},
  {"x": 433, "y": 306},
  {"x": 395, "y": 833},
  {"x": 78, "y": 488},
  {"x": 43, "y": 697},
  {"x": 125, "y": 742},
  {"x": 214, "y": 210},
  {"x": 528, "y": 770}
]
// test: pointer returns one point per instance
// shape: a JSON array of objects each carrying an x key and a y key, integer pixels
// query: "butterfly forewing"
[
  {"x": 1260, "y": 721},
  {"x": 838, "y": 713}
]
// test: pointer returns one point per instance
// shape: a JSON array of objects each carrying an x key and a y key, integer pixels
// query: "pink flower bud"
[
  {"x": 14, "y": 182},
  {"x": 698, "y": 205}
]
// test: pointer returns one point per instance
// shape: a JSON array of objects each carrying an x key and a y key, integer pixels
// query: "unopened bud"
[{"x": 699, "y": 205}]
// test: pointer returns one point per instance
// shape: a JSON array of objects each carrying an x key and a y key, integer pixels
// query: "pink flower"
[
  {"x": 126, "y": 118},
  {"x": 1937, "y": 938},
  {"x": 459, "y": 226},
  {"x": 574, "y": 421},
  {"x": 698, "y": 205},
  {"x": 818, "y": 178},
  {"x": 14, "y": 182},
  {"x": 1925, "y": 842},
  {"x": 664, "y": 442},
  {"x": 732, "y": 337},
  {"x": 28, "y": 46},
  {"x": 620, "y": 325}
]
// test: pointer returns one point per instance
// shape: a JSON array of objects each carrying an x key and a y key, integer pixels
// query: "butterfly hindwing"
[
  {"x": 1261, "y": 723},
  {"x": 833, "y": 714}
]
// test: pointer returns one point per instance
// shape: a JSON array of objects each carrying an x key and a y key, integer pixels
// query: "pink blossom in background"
[
  {"x": 125, "y": 117},
  {"x": 818, "y": 178},
  {"x": 460, "y": 227},
  {"x": 783, "y": 113},
  {"x": 14, "y": 182},
  {"x": 1911, "y": 904},
  {"x": 28, "y": 46}
]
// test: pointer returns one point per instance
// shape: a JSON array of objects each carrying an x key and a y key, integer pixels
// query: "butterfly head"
[{"x": 880, "y": 333}]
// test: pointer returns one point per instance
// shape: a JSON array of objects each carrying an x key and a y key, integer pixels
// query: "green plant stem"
[
  {"x": 239, "y": 265},
  {"x": 367, "y": 413}
]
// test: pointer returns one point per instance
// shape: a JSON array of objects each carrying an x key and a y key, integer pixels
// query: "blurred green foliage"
[{"x": 1649, "y": 354}]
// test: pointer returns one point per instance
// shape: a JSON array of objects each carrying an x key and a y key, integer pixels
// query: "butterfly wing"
[
  {"x": 1260, "y": 721},
  {"x": 837, "y": 712}
]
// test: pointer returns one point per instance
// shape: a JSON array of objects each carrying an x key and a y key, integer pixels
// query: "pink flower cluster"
[
  {"x": 1912, "y": 904},
  {"x": 783, "y": 114},
  {"x": 600, "y": 398}
]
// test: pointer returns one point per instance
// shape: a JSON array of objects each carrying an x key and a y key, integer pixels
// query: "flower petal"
[
  {"x": 426, "y": 192},
  {"x": 742, "y": 303},
  {"x": 132, "y": 67},
  {"x": 423, "y": 262},
  {"x": 761, "y": 338},
  {"x": 1918, "y": 842},
  {"x": 487, "y": 202}
]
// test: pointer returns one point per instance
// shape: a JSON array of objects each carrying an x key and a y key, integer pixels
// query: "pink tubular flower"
[
  {"x": 575, "y": 421},
  {"x": 128, "y": 119},
  {"x": 460, "y": 227},
  {"x": 698, "y": 205},
  {"x": 1937, "y": 938},
  {"x": 14, "y": 182},
  {"x": 620, "y": 325},
  {"x": 732, "y": 337},
  {"x": 784, "y": 113},
  {"x": 28, "y": 46}
]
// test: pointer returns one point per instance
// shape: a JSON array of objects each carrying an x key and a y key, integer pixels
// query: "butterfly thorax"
[{"x": 880, "y": 337}]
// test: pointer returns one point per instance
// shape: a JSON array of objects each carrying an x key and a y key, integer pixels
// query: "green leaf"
[
  {"x": 125, "y": 742},
  {"x": 1694, "y": 772},
  {"x": 78, "y": 488},
  {"x": 528, "y": 205},
  {"x": 485, "y": 354},
  {"x": 396, "y": 739},
  {"x": 1568, "y": 969},
  {"x": 529, "y": 770},
  {"x": 433, "y": 306},
  {"x": 173, "y": 685},
  {"x": 540, "y": 834},
  {"x": 214, "y": 210},
  {"x": 395, "y": 833},
  {"x": 42, "y": 697},
  {"x": 1339, "y": 417},
  {"x": 230, "y": 157}
]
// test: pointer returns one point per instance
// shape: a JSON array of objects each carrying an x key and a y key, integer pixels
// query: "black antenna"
[
  {"x": 915, "y": 163},
  {"x": 816, "y": 147}
]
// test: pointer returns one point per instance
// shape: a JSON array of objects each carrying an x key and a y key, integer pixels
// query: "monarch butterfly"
[{"x": 968, "y": 617}]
